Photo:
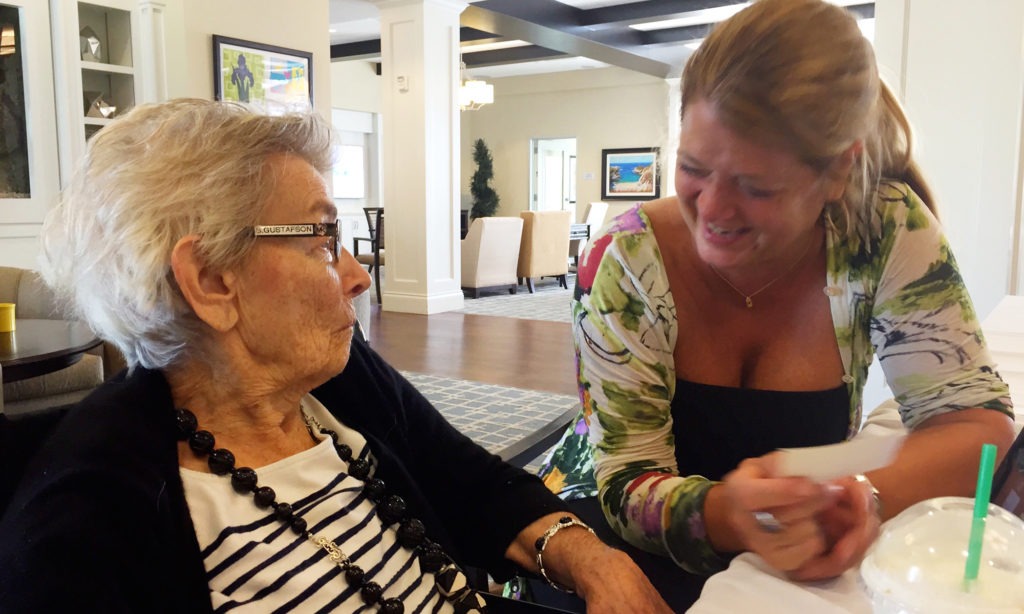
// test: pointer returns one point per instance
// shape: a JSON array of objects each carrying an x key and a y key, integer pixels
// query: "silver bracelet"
[
  {"x": 563, "y": 523},
  {"x": 875, "y": 496}
]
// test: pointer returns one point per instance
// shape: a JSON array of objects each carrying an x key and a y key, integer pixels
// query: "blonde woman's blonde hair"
[
  {"x": 799, "y": 74},
  {"x": 157, "y": 174}
]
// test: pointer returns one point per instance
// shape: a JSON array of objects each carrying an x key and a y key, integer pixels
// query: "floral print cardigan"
[{"x": 893, "y": 288}]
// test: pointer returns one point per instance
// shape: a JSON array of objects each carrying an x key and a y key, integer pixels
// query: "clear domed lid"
[{"x": 918, "y": 560}]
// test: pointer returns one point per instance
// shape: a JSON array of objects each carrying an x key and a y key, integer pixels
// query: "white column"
[
  {"x": 671, "y": 145},
  {"x": 420, "y": 129},
  {"x": 152, "y": 69},
  {"x": 960, "y": 76}
]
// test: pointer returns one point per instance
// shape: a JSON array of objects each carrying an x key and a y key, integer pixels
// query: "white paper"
[{"x": 821, "y": 463}]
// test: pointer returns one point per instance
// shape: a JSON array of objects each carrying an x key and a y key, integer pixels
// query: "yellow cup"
[{"x": 6, "y": 317}]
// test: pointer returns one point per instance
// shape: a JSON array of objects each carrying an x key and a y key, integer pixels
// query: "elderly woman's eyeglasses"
[{"x": 318, "y": 229}]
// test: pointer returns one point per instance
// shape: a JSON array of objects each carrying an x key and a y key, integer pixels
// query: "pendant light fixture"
[{"x": 473, "y": 93}]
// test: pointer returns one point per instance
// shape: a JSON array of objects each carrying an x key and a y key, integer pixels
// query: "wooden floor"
[{"x": 531, "y": 354}]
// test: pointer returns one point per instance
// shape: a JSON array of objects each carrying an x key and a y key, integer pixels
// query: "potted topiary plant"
[{"x": 485, "y": 199}]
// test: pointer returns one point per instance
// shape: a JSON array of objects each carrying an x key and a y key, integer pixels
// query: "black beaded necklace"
[{"x": 450, "y": 581}]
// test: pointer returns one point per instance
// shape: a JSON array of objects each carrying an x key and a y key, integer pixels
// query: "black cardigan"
[{"x": 100, "y": 521}]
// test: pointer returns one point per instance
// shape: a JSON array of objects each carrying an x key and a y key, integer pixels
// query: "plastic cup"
[
  {"x": 917, "y": 564},
  {"x": 6, "y": 317}
]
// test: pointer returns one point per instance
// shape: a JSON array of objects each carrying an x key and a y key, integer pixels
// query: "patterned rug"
[
  {"x": 492, "y": 416},
  {"x": 548, "y": 302}
]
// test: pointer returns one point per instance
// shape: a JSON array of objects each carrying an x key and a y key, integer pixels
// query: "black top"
[
  {"x": 716, "y": 427},
  {"x": 100, "y": 521}
]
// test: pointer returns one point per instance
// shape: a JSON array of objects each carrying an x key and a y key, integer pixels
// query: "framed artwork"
[
  {"x": 630, "y": 174},
  {"x": 274, "y": 79}
]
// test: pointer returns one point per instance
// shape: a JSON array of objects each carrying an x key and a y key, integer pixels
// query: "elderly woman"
[
  {"x": 255, "y": 456},
  {"x": 741, "y": 315}
]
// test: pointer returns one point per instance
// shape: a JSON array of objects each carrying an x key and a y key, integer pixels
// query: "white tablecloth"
[{"x": 748, "y": 585}]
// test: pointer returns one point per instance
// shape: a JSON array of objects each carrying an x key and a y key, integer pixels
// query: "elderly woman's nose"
[{"x": 354, "y": 277}]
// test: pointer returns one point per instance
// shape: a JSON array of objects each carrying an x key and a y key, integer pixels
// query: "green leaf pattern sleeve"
[
  {"x": 625, "y": 333},
  {"x": 921, "y": 320}
]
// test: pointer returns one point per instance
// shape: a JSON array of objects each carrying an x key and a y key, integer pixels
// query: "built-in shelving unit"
[{"x": 82, "y": 78}]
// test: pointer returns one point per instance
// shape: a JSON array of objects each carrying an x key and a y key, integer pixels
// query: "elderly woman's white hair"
[{"x": 161, "y": 172}]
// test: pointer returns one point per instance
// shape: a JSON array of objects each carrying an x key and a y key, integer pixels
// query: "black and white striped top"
[{"x": 255, "y": 563}]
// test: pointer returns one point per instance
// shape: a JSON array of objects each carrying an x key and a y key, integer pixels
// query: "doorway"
[{"x": 553, "y": 176}]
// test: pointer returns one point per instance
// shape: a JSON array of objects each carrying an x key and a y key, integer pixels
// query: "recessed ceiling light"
[
  {"x": 693, "y": 18},
  {"x": 473, "y": 48},
  {"x": 332, "y": 30}
]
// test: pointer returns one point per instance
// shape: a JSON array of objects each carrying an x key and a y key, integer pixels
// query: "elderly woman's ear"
[{"x": 211, "y": 293}]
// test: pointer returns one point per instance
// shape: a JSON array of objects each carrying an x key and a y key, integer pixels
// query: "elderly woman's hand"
[
  {"x": 607, "y": 578},
  {"x": 777, "y": 518}
]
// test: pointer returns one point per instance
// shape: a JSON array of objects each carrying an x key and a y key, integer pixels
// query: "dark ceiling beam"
[
  {"x": 676, "y": 35},
  {"x": 512, "y": 55},
  {"x": 370, "y": 49},
  {"x": 516, "y": 28},
  {"x": 467, "y": 35},
  {"x": 361, "y": 50},
  {"x": 863, "y": 11}
]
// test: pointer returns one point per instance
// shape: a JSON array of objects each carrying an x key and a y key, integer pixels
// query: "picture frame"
[
  {"x": 274, "y": 79},
  {"x": 631, "y": 173}
]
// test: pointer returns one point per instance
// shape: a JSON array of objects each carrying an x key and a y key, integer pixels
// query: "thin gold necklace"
[{"x": 749, "y": 298}]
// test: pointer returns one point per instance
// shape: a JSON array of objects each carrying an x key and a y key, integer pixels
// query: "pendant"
[{"x": 750, "y": 302}]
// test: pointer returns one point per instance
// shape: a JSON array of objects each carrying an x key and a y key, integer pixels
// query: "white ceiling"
[{"x": 358, "y": 20}]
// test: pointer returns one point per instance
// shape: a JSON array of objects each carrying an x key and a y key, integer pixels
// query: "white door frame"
[{"x": 566, "y": 145}]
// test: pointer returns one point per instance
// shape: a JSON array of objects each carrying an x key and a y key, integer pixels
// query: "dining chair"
[
  {"x": 375, "y": 259},
  {"x": 544, "y": 249},
  {"x": 490, "y": 254}
]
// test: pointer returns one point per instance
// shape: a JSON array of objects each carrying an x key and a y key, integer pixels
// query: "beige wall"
[
  {"x": 355, "y": 86},
  {"x": 298, "y": 24},
  {"x": 601, "y": 108}
]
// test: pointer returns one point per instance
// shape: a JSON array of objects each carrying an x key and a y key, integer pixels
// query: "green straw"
[{"x": 981, "y": 496}]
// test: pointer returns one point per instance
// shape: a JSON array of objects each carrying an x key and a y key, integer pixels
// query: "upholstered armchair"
[
  {"x": 490, "y": 253},
  {"x": 544, "y": 251},
  {"x": 593, "y": 216},
  {"x": 34, "y": 300}
]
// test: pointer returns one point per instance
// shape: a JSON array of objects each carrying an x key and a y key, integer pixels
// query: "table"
[
  {"x": 37, "y": 347},
  {"x": 578, "y": 232}
]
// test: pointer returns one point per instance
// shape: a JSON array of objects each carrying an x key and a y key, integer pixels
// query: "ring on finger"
[{"x": 767, "y": 522}]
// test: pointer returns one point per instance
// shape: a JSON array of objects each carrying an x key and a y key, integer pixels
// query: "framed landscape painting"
[
  {"x": 630, "y": 174},
  {"x": 274, "y": 79}
]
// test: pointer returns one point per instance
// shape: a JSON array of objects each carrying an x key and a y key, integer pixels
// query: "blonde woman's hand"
[
  {"x": 777, "y": 518},
  {"x": 850, "y": 525}
]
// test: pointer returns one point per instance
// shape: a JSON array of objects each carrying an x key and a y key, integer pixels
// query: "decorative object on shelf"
[
  {"x": 630, "y": 173},
  {"x": 485, "y": 199},
  {"x": 95, "y": 106},
  {"x": 473, "y": 93},
  {"x": 275, "y": 79},
  {"x": 92, "y": 50}
]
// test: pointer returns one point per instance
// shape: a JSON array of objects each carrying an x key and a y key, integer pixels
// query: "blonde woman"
[{"x": 741, "y": 315}]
